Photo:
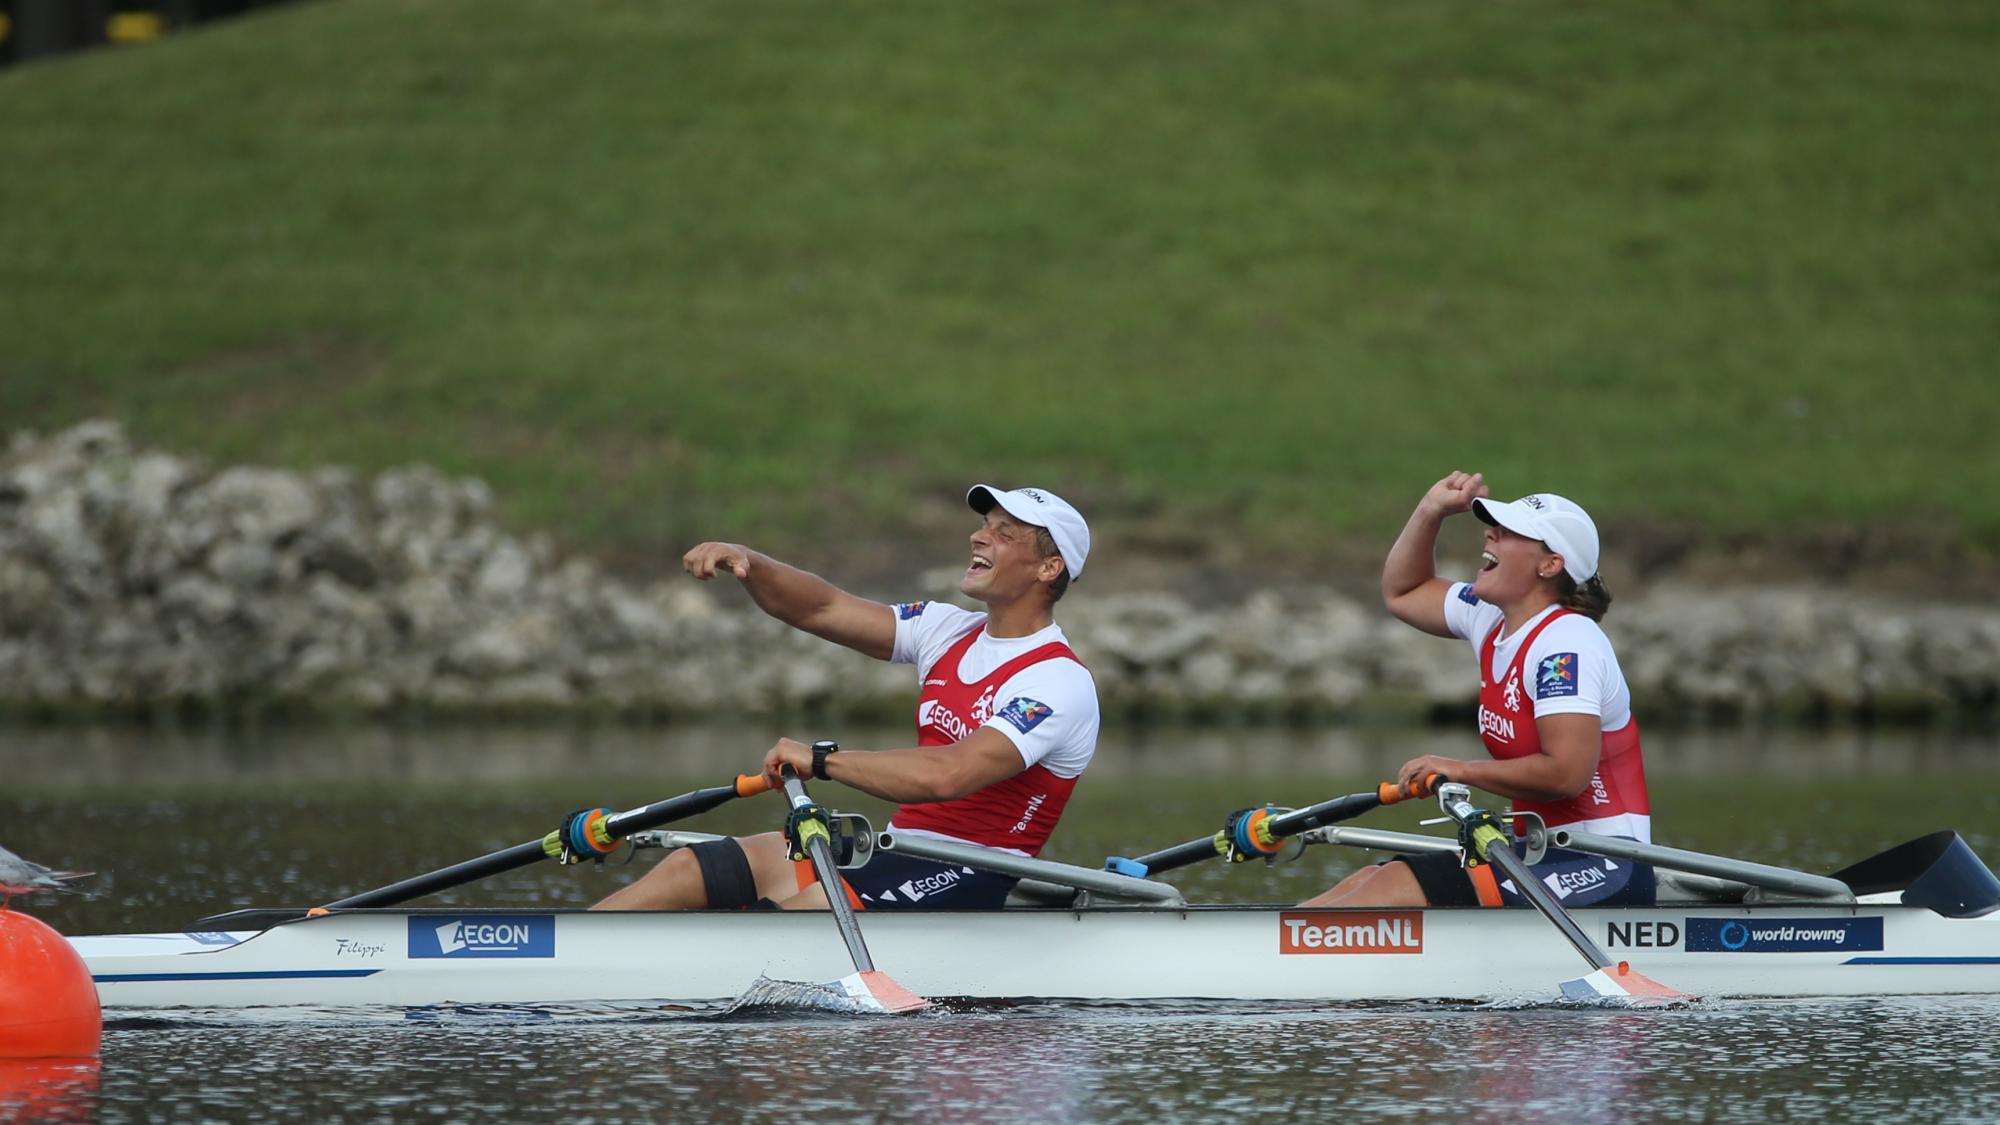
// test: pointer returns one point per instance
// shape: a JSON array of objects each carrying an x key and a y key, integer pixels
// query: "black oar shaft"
[
  {"x": 1531, "y": 889},
  {"x": 1494, "y": 847},
  {"x": 829, "y": 880},
  {"x": 522, "y": 855},
  {"x": 1286, "y": 824},
  {"x": 444, "y": 878}
]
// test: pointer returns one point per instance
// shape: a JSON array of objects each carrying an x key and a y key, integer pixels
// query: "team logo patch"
[
  {"x": 1557, "y": 676},
  {"x": 1466, "y": 595},
  {"x": 1025, "y": 713},
  {"x": 907, "y": 610},
  {"x": 1350, "y": 931}
]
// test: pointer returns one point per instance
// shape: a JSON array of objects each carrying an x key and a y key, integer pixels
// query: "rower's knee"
[
  {"x": 727, "y": 881},
  {"x": 1385, "y": 884}
]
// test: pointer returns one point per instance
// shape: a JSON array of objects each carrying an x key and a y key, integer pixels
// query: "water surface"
[{"x": 180, "y": 825}]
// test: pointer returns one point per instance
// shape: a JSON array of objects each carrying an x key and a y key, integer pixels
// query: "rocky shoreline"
[{"x": 137, "y": 582}]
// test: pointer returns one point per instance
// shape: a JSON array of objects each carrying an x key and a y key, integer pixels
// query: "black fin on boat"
[{"x": 1938, "y": 872}]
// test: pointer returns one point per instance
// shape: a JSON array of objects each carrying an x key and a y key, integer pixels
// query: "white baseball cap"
[
  {"x": 1044, "y": 509},
  {"x": 1551, "y": 519}
]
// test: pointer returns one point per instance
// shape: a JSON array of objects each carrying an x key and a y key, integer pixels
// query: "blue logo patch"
[
  {"x": 1783, "y": 935},
  {"x": 484, "y": 935},
  {"x": 907, "y": 610},
  {"x": 1466, "y": 595},
  {"x": 1025, "y": 713},
  {"x": 1557, "y": 676}
]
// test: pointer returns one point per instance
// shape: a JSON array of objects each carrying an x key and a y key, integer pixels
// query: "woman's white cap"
[
  {"x": 1552, "y": 519},
  {"x": 1044, "y": 509}
]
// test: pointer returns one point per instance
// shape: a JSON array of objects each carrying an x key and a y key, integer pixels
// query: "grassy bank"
[{"x": 710, "y": 268}]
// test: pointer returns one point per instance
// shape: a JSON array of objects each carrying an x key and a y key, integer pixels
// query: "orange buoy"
[{"x": 48, "y": 1003}]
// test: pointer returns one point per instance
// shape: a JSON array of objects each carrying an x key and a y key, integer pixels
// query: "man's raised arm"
[{"x": 799, "y": 598}]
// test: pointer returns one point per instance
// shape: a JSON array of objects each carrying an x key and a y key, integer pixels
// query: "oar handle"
[
  {"x": 751, "y": 784},
  {"x": 1390, "y": 792}
]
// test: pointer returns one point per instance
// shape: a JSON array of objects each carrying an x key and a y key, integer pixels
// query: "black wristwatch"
[{"x": 820, "y": 750}]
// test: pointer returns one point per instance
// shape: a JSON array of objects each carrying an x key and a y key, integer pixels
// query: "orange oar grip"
[
  {"x": 1389, "y": 792},
  {"x": 751, "y": 784}
]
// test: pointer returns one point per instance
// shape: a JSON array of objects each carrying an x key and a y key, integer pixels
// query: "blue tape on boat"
[
  {"x": 1123, "y": 866},
  {"x": 293, "y": 974},
  {"x": 1922, "y": 961}
]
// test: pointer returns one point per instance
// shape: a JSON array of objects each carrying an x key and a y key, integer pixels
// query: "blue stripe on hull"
[
  {"x": 1922, "y": 961},
  {"x": 294, "y": 974}
]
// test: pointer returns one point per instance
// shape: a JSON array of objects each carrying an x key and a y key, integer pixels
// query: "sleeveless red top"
[
  {"x": 1016, "y": 814},
  {"x": 1617, "y": 791}
]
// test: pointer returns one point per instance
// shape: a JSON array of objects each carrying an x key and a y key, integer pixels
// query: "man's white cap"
[
  {"x": 1044, "y": 509},
  {"x": 1552, "y": 519}
]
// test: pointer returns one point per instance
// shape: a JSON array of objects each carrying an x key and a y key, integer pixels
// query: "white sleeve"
[
  {"x": 1569, "y": 668},
  {"x": 924, "y": 630},
  {"x": 1468, "y": 618},
  {"x": 1049, "y": 712}
]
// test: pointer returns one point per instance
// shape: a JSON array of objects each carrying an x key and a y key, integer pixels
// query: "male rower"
[{"x": 1006, "y": 722}]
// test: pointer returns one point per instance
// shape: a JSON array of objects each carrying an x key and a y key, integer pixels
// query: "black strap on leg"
[{"x": 725, "y": 874}]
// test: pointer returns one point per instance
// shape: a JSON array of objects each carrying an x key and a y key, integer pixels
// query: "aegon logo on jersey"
[
  {"x": 1350, "y": 931},
  {"x": 907, "y": 610},
  {"x": 931, "y": 713},
  {"x": 914, "y": 889},
  {"x": 491, "y": 935},
  {"x": 1496, "y": 724},
  {"x": 1567, "y": 883},
  {"x": 1557, "y": 676}
]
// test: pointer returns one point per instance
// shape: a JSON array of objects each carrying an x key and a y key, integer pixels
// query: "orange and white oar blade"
[
  {"x": 874, "y": 989},
  {"x": 1624, "y": 986}
]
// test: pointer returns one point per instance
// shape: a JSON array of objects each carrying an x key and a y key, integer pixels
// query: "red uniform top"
[
  {"x": 1016, "y": 814},
  {"x": 1615, "y": 801}
]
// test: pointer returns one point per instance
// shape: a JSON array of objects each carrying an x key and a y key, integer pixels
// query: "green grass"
[{"x": 769, "y": 269}]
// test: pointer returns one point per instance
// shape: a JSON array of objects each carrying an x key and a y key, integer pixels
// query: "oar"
[
  {"x": 1260, "y": 831},
  {"x": 809, "y": 830},
  {"x": 1611, "y": 980},
  {"x": 584, "y": 835}
]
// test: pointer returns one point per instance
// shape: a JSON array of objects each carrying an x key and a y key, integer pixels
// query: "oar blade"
[
  {"x": 875, "y": 989},
  {"x": 1623, "y": 986}
]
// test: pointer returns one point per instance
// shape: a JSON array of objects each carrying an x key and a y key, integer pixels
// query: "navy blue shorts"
[
  {"x": 1574, "y": 878},
  {"x": 899, "y": 882}
]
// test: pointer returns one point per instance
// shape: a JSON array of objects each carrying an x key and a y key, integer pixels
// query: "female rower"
[{"x": 1554, "y": 711}]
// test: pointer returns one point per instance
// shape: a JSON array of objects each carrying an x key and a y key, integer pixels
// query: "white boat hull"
[{"x": 418, "y": 958}]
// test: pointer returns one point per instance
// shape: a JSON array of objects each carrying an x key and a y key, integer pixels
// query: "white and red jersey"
[
  {"x": 1032, "y": 689},
  {"x": 1558, "y": 663}
]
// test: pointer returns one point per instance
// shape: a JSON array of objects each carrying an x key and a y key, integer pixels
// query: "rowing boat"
[
  {"x": 429, "y": 957},
  {"x": 1923, "y": 918}
]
